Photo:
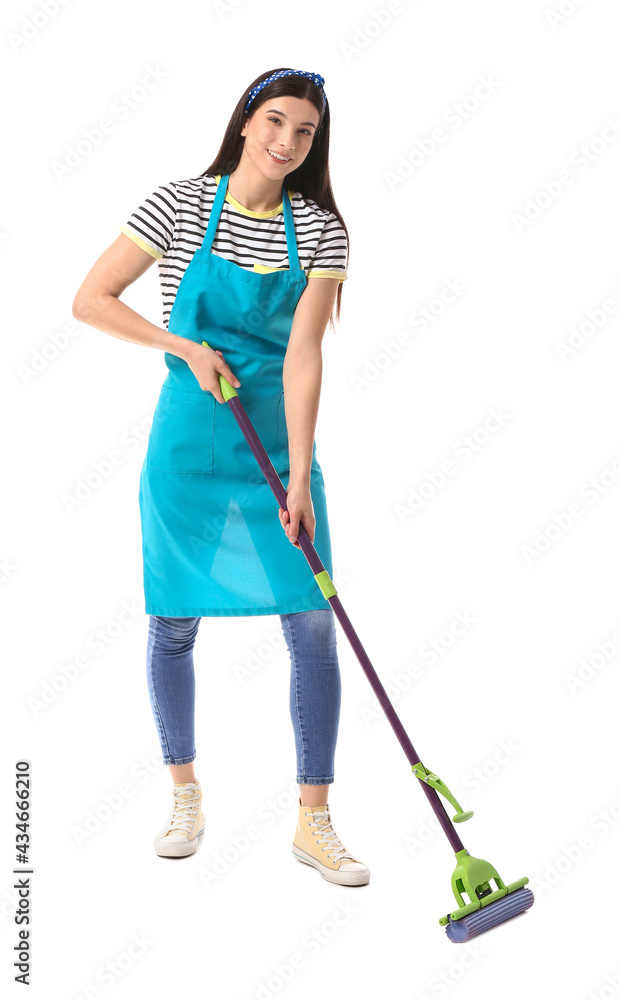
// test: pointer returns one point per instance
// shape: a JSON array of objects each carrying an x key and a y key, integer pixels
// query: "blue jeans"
[{"x": 315, "y": 689}]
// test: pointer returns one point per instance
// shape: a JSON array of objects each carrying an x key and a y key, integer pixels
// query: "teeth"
[{"x": 278, "y": 157}]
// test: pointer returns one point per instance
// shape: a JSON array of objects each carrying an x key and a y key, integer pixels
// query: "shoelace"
[
  {"x": 184, "y": 810},
  {"x": 331, "y": 839}
]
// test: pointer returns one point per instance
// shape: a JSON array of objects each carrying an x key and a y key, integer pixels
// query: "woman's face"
[{"x": 282, "y": 125}]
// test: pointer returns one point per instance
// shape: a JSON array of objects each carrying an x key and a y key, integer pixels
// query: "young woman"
[{"x": 251, "y": 255}]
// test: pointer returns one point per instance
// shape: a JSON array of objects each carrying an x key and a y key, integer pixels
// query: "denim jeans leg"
[
  {"x": 315, "y": 692},
  {"x": 171, "y": 685}
]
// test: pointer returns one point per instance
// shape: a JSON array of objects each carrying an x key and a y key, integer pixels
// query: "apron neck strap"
[
  {"x": 220, "y": 194},
  {"x": 291, "y": 241}
]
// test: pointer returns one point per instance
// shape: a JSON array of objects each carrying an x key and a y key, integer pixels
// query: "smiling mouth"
[{"x": 279, "y": 159}]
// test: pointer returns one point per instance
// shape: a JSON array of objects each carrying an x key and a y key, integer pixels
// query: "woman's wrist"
[
  {"x": 184, "y": 348},
  {"x": 300, "y": 478}
]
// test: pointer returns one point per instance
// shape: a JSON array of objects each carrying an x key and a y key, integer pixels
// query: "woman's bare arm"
[
  {"x": 302, "y": 373},
  {"x": 97, "y": 303},
  {"x": 302, "y": 377},
  {"x": 97, "y": 300}
]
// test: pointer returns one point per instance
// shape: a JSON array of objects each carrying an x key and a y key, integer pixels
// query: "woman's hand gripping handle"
[{"x": 212, "y": 373}]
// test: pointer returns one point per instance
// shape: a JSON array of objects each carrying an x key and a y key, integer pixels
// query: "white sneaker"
[{"x": 185, "y": 822}]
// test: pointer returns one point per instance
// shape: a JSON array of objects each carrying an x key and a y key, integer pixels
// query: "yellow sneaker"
[
  {"x": 316, "y": 843},
  {"x": 185, "y": 822}
]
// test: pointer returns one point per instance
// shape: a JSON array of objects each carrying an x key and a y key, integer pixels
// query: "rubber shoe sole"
[
  {"x": 165, "y": 849},
  {"x": 341, "y": 877}
]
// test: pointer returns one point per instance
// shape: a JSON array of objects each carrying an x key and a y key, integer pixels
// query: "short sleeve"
[
  {"x": 152, "y": 224},
  {"x": 331, "y": 257}
]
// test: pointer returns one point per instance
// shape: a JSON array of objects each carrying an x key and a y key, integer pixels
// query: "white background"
[{"x": 527, "y": 286}]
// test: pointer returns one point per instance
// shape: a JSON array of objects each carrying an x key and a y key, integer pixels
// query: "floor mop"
[{"x": 486, "y": 906}]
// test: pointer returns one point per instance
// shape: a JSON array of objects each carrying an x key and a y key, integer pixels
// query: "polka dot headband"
[{"x": 314, "y": 77}]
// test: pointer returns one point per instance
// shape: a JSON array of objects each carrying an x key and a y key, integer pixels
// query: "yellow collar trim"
[{"x": 245, "y": 211}]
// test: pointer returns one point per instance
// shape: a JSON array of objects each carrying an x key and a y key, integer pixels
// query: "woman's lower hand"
[{"x": 300, "y": 509}]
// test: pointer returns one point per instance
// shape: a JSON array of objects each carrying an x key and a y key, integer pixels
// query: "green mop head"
[{"x": 486, "y": 907}]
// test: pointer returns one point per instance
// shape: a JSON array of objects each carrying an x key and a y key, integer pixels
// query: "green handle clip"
[
  {"x": 435, "y": 782},
  {"x": 227, "y": 390}
]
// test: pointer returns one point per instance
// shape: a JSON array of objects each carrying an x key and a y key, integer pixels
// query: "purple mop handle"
[{"x": 317, "y": 567}]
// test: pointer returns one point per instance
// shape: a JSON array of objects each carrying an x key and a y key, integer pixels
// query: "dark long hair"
[{"x": 312, "y": 177}]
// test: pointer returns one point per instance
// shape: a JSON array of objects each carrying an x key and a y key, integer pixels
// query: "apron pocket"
[{"x": 181, "y": 436}]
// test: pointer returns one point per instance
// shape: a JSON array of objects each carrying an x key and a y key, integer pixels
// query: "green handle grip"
[{"x": 227, "y": 390}]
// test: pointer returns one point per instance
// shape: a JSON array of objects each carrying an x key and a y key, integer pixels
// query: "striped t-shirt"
[{"x": 171, "y": 223}]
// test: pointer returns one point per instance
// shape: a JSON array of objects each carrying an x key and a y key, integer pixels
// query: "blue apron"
[{"x": 212, "y": 540}]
